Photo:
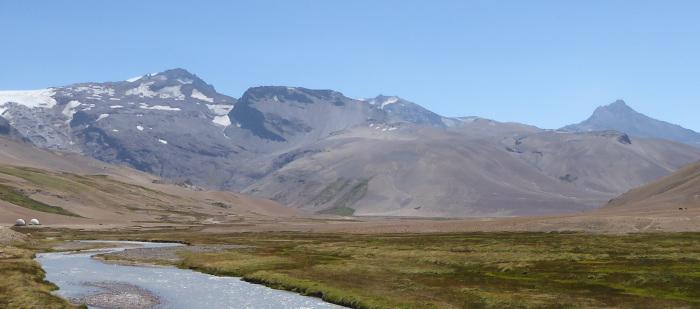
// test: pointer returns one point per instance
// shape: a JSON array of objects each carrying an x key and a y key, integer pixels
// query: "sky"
[{"x": 542, "y": 63}]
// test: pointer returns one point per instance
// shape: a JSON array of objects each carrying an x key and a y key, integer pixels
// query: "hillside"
[
  {"x": 680, "y": 189},
  {"x": 320, "y": 151},
  {"x": 481, "y": 169},
  {"x": 69, "y": 190}
]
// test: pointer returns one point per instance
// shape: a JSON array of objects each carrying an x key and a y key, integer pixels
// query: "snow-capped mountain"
[
  {"x": 321, "y": 151},
  {"x": 620, "y": 117},
  {"x": 408, "y": 111}
]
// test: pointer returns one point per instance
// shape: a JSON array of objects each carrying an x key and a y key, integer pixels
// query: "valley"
[
  {"x": 367, "y": 203},
  {"x": 322, "y": 152}
]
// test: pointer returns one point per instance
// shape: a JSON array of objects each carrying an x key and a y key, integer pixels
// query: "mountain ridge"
[
  {"x": 621, "y": 117},
  {"x": 320, "y": 151}
]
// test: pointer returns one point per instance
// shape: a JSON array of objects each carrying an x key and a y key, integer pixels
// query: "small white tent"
[
  {"x": 34, "y": 222},
  {"x": 20, "y": 222}
]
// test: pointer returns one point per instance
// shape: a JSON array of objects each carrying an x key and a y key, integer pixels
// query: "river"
[{"x": 84, "y": 279}]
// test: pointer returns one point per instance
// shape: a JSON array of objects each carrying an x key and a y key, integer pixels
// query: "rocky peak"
[
  {"x": 407, "y": 111},
  {"x": 616, "y": 108},
  {"x": 619, "y": 116},
  {"x": 175, "y": 78}
]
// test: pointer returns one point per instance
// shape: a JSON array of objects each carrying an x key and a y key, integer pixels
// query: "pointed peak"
[
  {"x": 618, "y": 103},
  {"x": 618, "y": 106}
]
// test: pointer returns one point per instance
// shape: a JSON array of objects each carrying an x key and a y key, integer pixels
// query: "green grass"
[
  {"x": 23, "y": 285},
  {"x": 348, "y": 197},
  {"x": 98, "y": 189},
  {"x": 470, "y": 270},
  {"x": 11, "y": 195}
]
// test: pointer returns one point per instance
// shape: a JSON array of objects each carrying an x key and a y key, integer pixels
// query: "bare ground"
[{"x": 119, "y": 296}]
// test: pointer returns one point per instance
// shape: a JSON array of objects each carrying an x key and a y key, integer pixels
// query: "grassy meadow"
[
  {"x": 474, "y": 270},
  {"x": 22, "y": 282}
]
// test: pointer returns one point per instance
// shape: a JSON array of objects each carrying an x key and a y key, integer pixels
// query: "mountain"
[
  {"x": 320, "y": 151},
  {"x": 407, "y": 111},
  {"x": 8, "y": 130},
  {"x": 620, "y": 117},
  {"x": 277, "y": 119},
  {"x": 484, "y": 168},
  {"x": 63, "y": 189},
  {"x": 678, "y": 190}
]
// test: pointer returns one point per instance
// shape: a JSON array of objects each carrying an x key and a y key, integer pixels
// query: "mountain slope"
[
  {"x": 620, "y": 117},
  {"x": 511, "y": 169},
  {"x": 407, "y": 111},
  {"x": 42, "y": 184},
  {"x": 320, "y": 151},
  {"x": 680, "y": 189},
  {"x": 282, "y": 118}
]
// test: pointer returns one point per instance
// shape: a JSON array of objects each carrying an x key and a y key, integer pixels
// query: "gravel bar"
[{"x": 119, "y": 296}]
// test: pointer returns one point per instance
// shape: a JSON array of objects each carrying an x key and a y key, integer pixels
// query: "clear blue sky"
[{"x": 544, "y": 63}]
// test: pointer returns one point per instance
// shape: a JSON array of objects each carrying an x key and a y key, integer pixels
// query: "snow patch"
[
  {"x": 100, "y": 90},
  {"x": 391, "y": 100},
  {"x": 163, "y": 141},
  {"x": 220, "y": 109},
  {"x": 116, "y": 106},
  {"x": 392, "y": 129},
  {"x": 29, "y": 98},
  {"x": 159, "y": 107},
  {"x": 198, "y": 95},
  {"x": 140, "y": 128},
  {"x": 185, "y": 81},
  {"x": 69, "y": 110},
  {"x": 171, "y": 92},
  {"x": 102, "y": 116},
  {"x": 115, "y": 99},
  {"x": 222, "y": 120},
  {"x": 142, "y": 90},
  {"x": 115, "y": 130},
  {"x": 276, "y": 99},
  {"x": 131, "y": 80},
  {"x": 361, "y": 99},
  {"x": 238, "y": 124}
]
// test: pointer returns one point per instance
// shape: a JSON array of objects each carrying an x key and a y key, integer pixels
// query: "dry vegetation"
[
  {"x": 22, "y": 284},
  {"x": 457, "y": 270}
]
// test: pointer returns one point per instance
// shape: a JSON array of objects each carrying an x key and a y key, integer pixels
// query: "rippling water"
[{"x": 178, "y": 288}]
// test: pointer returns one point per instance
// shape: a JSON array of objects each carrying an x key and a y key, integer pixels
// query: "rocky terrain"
[
  {"x": 408, "y": 170},
  {"x": 320, "y": 151}
]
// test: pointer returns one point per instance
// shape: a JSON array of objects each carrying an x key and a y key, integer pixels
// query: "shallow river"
[{"x": 80, "y": 276}]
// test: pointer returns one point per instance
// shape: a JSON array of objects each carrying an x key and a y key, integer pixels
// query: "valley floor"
[{"x": 437, "y": 270}]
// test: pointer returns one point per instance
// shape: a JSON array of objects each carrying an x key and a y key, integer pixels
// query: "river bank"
[{"x": 85, "y": 280}]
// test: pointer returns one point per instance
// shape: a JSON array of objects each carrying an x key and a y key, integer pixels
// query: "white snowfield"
[
  {"x": 144, "y": 91},
  {"x": 159, "y": 107},
  {"x": 221, "y": 111},
  {"x": 222, "y": 120},
  {"x": 29, "y": 98},
  {"x": 390, "y": 100},
  {"x": 133, "y": 79},
  {"x": 198, "y": 95},
  {"x": 69, "y": 110}
]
